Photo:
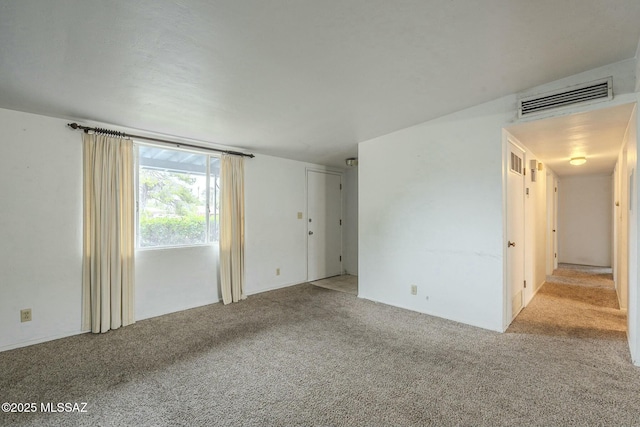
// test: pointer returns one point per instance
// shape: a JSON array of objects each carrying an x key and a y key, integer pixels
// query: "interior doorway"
[
  {"x": 552, "y": 222},
  {"x": 515, "y": 229},
  {"x": 324, "y": 224},
  {"x": 549, "y": 144}
]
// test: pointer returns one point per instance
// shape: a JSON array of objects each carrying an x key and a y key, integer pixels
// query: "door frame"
[
  {"x": 306, "y": 211},
  {"x": 507, "y": 138},
  {"x": 551, "y": 194}
]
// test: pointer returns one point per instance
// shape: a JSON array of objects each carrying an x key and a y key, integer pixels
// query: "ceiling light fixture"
[{"x": 577, "y": 161}]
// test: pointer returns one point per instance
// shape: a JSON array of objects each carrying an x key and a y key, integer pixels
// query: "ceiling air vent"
[{"x": 600, "y": 90}]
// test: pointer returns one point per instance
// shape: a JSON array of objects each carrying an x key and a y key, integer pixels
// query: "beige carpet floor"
[
  {"x": 345, "y": 283},
  {"x": 308, "y": 356},
  {"x": 583, "y": 275},
  {"x": 576, "y": 301}
]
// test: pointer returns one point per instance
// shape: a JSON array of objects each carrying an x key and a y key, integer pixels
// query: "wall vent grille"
[
  {"x": 600, "y": 90},
  {"x": 516, "y": 164}
]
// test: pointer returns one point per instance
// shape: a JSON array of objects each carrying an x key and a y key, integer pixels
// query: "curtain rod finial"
[{"x": 73, "y": 125}]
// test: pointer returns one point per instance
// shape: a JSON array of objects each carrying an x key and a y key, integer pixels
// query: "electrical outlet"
[
  {"x": 277, "y": 271},
  {"x": 25, "y": 315},
  {"x": 414, "y": 290}
]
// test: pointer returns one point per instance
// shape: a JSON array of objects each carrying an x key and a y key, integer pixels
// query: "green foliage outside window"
[
  {"x": 174, "y": 231},
  {"x": 172, "y": 206}
]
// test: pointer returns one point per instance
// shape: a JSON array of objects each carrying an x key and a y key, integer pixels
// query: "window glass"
[{"x": 173, "y": 190}]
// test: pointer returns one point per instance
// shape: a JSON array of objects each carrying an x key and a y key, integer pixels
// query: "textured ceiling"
[
  {"x": 300, "y": 79},
  {"x": 596, "y": 135}
]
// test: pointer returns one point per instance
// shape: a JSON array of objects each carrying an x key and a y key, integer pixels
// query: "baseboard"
[
  {"x": 537, "y": 288},
  {"x": 273, "y": 288},
  {"x": 80, "y": 332},
  {"x": 40, "y": 340},
  {"x": 619, "y": 301},
  {"x": 177, "y": 310},
  {"x": 428, "y": 313}
]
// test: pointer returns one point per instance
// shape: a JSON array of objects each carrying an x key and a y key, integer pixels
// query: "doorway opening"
[
  {"x": 576, "y": 222},
  {"x": 324, "y": 224}
]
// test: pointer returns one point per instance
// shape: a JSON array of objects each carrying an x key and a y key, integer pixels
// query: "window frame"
[{"x": 209, "y": 156}]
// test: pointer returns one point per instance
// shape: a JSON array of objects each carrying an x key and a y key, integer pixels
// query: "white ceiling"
[
  {"x": 303, "y": 79},
  {"x": 596, "y": 135}
]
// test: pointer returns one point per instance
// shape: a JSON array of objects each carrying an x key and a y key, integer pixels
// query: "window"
[{"x": 178, "y": 197}]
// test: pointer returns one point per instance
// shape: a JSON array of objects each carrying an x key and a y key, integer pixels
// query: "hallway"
[{"x": 577, "y": 301}]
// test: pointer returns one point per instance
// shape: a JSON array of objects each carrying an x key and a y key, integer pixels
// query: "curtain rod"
[{"x": 86, "y": 129}]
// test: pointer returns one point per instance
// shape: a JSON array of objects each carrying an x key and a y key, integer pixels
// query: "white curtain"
[
  {"x": 232, "y": 228},
  {"x": 108, "y": 261}
]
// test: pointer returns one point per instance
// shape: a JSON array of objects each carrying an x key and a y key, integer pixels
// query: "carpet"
[
  {"x": 345, "y": 283},
  {"x": 308, "y": 356},
  {"x": 582, "y": 275}
]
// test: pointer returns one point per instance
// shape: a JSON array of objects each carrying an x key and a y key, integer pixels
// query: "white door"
[
  {"x": 616, "y": 228},
  {"x": 550, "y": 194},
  {"x": 324, "y": 223},
  {"x": 515, "y": 230},
  {"x": 555, "y": 222},
  {"x": 552, "y": 224}
]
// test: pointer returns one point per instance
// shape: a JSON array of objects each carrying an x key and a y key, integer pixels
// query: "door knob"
[
  {"x": 510, "y": 244},
  {"x": 310, "y": 233}
]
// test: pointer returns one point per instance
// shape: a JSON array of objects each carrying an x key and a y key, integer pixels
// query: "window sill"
[{"x": 163, "y": 248}]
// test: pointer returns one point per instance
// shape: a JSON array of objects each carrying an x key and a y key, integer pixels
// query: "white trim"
[
  {"x": 214, "y": 244},
  {"x": 207, "y": 174},
  {"x": 512, "y": 139},
  {"x": 428, "y": 313},
  {"x": 273, "y": 288},
  {"x": 182, "y": 308},
  {"x": 328, "y": 171},
  {"x": 41, "y": 340},
  {"x": 536, "y": 290},
  {"x": 505, "y": 175},
  {"x": 507, "y": 139}
]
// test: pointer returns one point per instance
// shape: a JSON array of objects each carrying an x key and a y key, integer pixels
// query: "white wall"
[
  {"x": 41, "y": 235},
  {"x": 275, "y": 191},
  {"x": 275, "y": 238},
  {"x": 584, "y": 220},
  {"x": 634, "y": 219},
  {"x": 174, "y": 279},
  {"x": 535, "y": 217},
  {"x": 621, "y": 181},
  {"x": 40, "y": 228},
  {"x": 431, "y": 215},
  {"x": 169, "y": 280},
  {"x": 637, "y": 64},
  {"x": 350, "y": 223}
]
